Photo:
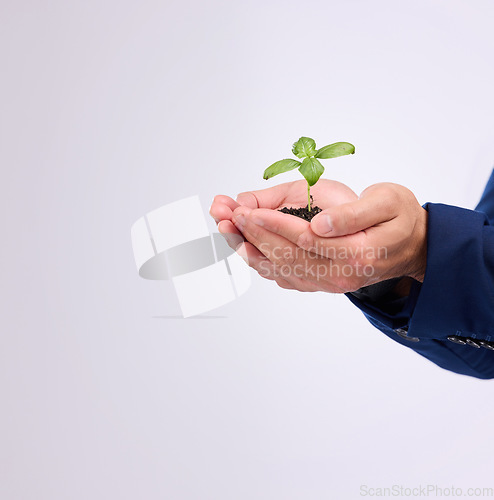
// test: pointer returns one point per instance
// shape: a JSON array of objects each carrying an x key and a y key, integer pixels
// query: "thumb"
[{"x": 374, "y": 206}]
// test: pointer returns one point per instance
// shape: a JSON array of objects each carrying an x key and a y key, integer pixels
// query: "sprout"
[{"x": 310, "y": 167}]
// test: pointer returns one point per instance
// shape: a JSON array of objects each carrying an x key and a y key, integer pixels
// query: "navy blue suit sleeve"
[
  {"x": 456, "y": 299},
  {"x": 486, "y": 203}
]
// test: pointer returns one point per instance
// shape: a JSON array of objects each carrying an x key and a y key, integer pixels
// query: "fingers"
[
  {"x": 301, "y": 269},
  {"x": 222, "y": 208},
  {"x": 291, "y": 266},
  {"x": 250, "y": 254},
  {"x": 275, "y": 247},
  {"x": 376, "y": 205},
  {"x": 231, "y": 234},
  {"x": 281, "y": 229},
  {"x": 274, "y": 221},
  {"x": 248, "y": 199},
  {"x": 326, "y": 193},
  {"x": 343, "y": 248},
  {"x": 255, "y": 259},
  {"x": 289, "y": 240},
  {"x": 265, "y": 198},
  {"x": 264, "y": 267}
]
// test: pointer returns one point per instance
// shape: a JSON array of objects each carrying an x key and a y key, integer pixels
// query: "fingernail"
[
  {"x": 324, "y": 224},
  {"x": 240, "y": 221}
]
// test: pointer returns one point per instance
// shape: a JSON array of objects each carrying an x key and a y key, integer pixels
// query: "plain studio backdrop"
[{"x": 110, "y": 109}]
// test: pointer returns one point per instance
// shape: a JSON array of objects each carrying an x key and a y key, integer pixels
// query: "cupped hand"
[
  {"x": 356, "y": 243},
  {"x": 326, "y": 194}
]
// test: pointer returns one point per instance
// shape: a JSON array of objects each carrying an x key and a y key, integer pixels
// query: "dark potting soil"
[{"x": 303, "y": 213}]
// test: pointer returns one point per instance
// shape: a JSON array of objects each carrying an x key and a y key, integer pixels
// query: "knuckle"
[
  {"x": 283, "y": 257},
  {"x": 263, "y": 273},
  {"x": 289, "y": 257},
  {"x": 388, "y": 191},
  {"x": 352, "y": 262},
  {"x": 396, "y": 194},
  {"x": 284, "y": 284},
  {"x": 243, "y": 194},
  {"x": 307, "y": 240},
  {"x": 221, "y": 199},
  {"x": 253, "y": 233},
  {"x": 261, "y": 266},
  {"x": 248, "y": 198},
  {"x": 350, "y": 217}
]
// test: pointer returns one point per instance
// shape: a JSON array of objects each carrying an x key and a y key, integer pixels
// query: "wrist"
[{"x": 419, "y": 259}]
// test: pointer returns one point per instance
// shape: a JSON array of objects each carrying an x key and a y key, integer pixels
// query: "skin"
[{"x": 354, "y": 242}]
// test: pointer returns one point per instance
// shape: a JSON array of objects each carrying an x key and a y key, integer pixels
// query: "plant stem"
[{"x": 308, "y": 195}]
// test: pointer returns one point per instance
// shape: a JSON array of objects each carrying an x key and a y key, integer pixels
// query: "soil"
[{"x": 303, "y": 213}]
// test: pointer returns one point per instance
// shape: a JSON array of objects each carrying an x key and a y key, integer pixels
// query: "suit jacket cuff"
[{"x": 456, "y": 297}]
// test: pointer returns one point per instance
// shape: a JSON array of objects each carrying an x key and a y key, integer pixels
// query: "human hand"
[
  {"x": 381, "y": 235},
  {"x": 326, "y": 194}
]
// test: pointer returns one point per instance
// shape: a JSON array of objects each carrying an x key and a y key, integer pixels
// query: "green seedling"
[{"x": 310, "y": 167}]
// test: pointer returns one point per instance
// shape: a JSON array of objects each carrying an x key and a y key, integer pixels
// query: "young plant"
[{"x": 310, "y": 167}]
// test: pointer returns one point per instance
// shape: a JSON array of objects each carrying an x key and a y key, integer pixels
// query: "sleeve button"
[
  {"x": 487, "y": 345},
  {"x": 456, "y": 340},
  {"x": 403, "y": 333}
]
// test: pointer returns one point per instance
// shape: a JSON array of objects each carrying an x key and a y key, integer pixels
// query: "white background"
[{"x": 109, "y": 109}]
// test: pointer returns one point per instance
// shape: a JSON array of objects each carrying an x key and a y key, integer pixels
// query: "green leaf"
[
  {"x": 279, "y": 167},
  {"x": 311, "y": 169},
  {"x": 335, "y": 150},
  {"x": 305, "y": 146}
]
